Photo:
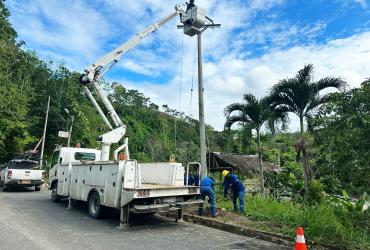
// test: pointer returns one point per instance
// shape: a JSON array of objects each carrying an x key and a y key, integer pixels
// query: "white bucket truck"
[
  {"x": 78, "y": 173},
  {"x": 122, "y": 183}
]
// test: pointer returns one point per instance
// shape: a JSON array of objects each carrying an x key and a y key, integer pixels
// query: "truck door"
[{"x": 129, "y": 174}]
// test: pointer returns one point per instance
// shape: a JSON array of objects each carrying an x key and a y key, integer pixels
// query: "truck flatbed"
[{"x": 159, "y": 186}]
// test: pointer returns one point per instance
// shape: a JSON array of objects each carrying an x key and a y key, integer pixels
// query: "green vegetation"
[
  {"x": 325, "y": 222},
  {"x": 301, "y": 95},
  {"x": 309, "y": 191},
  {"x": 254, "y": 114},
  {"x": 341, "y": 133},
  {"x": 26, "y": 83},
  {"x": 330, "y": 156}
]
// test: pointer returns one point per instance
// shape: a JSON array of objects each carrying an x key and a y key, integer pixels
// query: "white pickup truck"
[
  {"x": 21, "y": 173},
  {"x": 79, "y": 174}
]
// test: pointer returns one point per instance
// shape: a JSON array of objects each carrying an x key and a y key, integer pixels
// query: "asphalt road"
[{"x": 29, "y": 220}]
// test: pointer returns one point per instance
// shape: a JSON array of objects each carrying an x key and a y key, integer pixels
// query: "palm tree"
[
  {"x": 300, "y": 95},
  {"x": 253, "y": 113}
]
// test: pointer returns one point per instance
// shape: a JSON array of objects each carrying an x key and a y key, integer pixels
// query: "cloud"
[
  {"x": 79, "y": 32},
  {"x": 225, "y": 81},
  {"x": 74, "y": 32},
  {"x": 363, "y": 3}
]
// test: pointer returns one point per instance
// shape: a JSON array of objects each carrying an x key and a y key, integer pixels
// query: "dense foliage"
[
  {"x": 329, "y": 222},
  {"x": 26, "y": 83},
  {"x": 253, "y": 114},
  {"x": 301, "y": 95},
  {"x": 336, "y": 145},
  {"x": 342, "y": 131}
]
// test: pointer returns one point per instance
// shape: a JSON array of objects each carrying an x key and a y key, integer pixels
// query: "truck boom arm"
[{"x": 96, "y": 70}]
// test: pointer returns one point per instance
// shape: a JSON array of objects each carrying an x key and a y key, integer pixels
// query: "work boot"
[
  {"x": 215, "y": 215},
  {"x": 200, "y": 211}
]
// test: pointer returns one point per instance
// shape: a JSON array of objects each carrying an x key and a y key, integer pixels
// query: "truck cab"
[
  {"x": 20, "y": 172},
  {"x": 64, "y": 156}
]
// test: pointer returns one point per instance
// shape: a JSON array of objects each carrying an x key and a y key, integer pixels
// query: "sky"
[{"x": 259, "y": 43}]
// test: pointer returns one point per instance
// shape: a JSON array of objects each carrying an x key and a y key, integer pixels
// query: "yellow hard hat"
[{"x": 225, "y": 172}]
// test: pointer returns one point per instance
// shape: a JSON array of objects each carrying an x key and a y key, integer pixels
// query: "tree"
[
  {"x": 7, "y": 33},
  {"x": 253, "y": 113},
  {"x": 301, "y": 95},
  {"x": 342, "y": 131}
]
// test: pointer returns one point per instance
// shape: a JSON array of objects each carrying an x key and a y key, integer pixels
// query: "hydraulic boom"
[{"x": 96, "y": 70}]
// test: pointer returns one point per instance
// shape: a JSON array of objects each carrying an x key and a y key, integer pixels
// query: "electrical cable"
[
  {"x": 192, "y": 83},
  {"x": 180, "y": 87}
]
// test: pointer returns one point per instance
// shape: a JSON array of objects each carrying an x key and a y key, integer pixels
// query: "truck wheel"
[
  {"x": 5, "y": 188},
  {"x": 54, "y": 195},
  {"x": 37, "y": 188},
  {"x": 95, "y": 205}
]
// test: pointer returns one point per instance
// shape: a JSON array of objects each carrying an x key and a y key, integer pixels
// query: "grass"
[{"x": 322, "y": 222}]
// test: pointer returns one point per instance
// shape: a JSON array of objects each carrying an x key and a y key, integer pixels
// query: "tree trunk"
[
  {"x": 260, "y": 161},
  {"x": 305, "y": 160}
]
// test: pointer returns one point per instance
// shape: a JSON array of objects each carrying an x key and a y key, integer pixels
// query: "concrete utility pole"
[
  {"x": 196, "y": 22},
  {"x": 44, "y": 134},
  {"x": 202, "y": 126}
]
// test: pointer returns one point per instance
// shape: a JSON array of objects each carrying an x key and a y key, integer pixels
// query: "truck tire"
[
  {"x": 5, "y": 188},
  {"x": 54, "y": 193},
  {"x": 95, "y": 206},
  {"x": 37, "y": 188}
]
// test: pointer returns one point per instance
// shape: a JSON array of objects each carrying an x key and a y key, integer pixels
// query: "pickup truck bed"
[{"x": 21, "y": 173}]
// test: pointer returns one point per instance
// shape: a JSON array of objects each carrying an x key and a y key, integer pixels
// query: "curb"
[{"x": 249, "y": 232}]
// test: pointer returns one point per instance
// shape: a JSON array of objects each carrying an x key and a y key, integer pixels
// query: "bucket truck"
[{"x": 123, "y": 183}]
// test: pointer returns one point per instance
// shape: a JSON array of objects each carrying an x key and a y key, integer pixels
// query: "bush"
[
  {"x": 323, "y": 221},
  {"x": 331, "y": 183},
  {"x": 316, "y": 191}
]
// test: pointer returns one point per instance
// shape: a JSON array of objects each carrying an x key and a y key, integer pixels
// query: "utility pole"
[
  {"x": 196, "y": 22},
  {"x": 44, "y": 134},
  {"x": 70, "y": 128},
  {"x": 202, "y": 126}
]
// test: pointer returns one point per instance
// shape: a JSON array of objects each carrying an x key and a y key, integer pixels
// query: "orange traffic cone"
[{"x": 300, "y": 243}]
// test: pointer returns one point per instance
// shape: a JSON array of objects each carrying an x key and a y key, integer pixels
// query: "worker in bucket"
[
  {"x": 207, "y": 186},
  {"x": 232, "y": 182}
]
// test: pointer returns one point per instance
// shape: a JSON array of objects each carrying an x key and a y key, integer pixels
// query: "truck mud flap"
[
  {"x": 189, "y": 203},
  {"x": 152, "y": 208}
]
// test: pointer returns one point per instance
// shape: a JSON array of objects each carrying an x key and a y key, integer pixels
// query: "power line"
[{"x": 192, "y": 82}]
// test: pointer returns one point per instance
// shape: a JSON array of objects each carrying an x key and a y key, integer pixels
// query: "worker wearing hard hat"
[
  {"x": 207, "y": 186},
  {"x": 232, "y": 182}
]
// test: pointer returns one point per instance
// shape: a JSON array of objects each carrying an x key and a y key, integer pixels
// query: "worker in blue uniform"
[
  {"x": 233, "y": 183},
  {"x": 196, "y": 180},
  {"x": 189, "y": 178},
  {"x": 207, "y": 186}
]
